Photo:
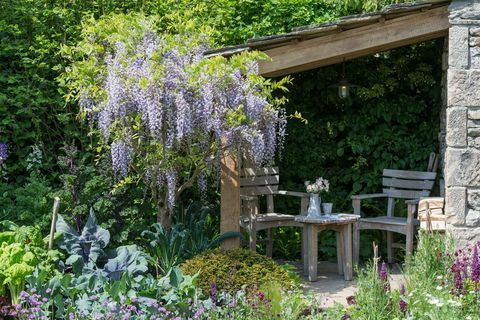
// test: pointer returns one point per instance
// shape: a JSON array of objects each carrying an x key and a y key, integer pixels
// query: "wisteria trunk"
[{"x": 164, "y": 217}]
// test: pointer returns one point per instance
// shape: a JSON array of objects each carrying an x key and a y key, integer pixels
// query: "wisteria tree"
[{"x": 164, "y": 111}]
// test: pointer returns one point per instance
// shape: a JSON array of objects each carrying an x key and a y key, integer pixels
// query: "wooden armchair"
[
  {"x": 255, "y": 183},
  {"x": 397, "y": 184}
]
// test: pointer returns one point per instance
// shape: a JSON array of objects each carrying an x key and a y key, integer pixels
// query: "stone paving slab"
[{"x": 331, "y": 287}]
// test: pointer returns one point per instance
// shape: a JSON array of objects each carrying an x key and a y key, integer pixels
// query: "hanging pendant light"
[{"x": 344, "y": 85}]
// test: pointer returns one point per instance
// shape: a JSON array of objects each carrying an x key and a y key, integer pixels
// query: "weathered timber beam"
[
  {"x": 230, "y": 199},
  {"x": 331, "y": 49}
]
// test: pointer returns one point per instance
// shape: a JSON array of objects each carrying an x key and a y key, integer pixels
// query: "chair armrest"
[
  {"x": 410, "y": 202},
  {"x": 411, "y": 210},
  {"x": 248, "y": 198},
  {"x": 356, "y": 200},
  {"x": 305, "y": 198},
  {"x": 292, "y": 193},
  {"x": 369, "y": 196}
]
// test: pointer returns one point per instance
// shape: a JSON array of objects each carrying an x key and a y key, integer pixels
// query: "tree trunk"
[{"x": 164, "y": 217}]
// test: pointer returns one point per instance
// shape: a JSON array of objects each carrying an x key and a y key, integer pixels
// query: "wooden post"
[
  {"x": 56, "y": 206},
  {"x": 230, "y": 199}
]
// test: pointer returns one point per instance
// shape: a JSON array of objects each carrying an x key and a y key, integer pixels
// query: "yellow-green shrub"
[{"x": 230, "y": 270}]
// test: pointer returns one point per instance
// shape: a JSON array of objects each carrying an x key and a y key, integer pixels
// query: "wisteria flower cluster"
[
  {"x": 163, "y": 108},
  {"x": 3, "y": 152},
  {"x": 320, "y": 185}
]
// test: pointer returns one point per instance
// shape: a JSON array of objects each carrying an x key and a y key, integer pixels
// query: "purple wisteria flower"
[
  {"x": 3, "y": 152},
  {"x": 160, "y": 101}
]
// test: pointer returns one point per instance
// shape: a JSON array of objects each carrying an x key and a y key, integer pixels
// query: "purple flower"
[
  {"x": 401, "y": 303},
  {"x": 3, "y": 152},
  {"x": 475, "y": 265},
  {"x": 121, "y": 157},
  {"x": 384, "y": 272},
  {"x": 198, "y": 313},
  {"x": 213, "y": 293}
]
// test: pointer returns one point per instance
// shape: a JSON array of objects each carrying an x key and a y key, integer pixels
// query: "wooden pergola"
[{"x": 317, "y": 46}]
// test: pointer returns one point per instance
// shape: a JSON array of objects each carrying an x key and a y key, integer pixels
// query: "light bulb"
[{"x": 343, "y": 91}]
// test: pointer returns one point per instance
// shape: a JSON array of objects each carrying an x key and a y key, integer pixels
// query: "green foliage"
[
  {"x": 88, "y": 258},
  {"x": 27, "y": 203},
  {"x": 429, "y": 288},
  {"x": 187, "y": 238},
  {"x": 21, "y": 250},
  {"x": 231, "y": 270},
  {"x": 87, "y": 182},
  {"x": 165, "y": 246}
]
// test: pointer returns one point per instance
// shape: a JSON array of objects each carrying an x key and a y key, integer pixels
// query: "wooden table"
[{"x": 339, "y": 222}]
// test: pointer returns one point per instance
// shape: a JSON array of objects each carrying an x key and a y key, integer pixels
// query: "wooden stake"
[
  {"x": 56, "y": 206},
  {"x": 375, "y": 260}
]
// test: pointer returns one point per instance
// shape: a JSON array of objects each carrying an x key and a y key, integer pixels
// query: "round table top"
[{"x": 334, "y": 218}]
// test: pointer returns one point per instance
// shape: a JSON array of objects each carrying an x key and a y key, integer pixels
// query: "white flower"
[
  {"x": 435, "y": 301},
  {"x": 439, "y": 287},
  {"x": 439, "y": 277},
  {"x": 454, "y": 303},
  {"x": 320, "y": 185}
]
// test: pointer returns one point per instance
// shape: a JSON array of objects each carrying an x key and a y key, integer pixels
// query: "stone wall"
[{"x": 462, "y": 157}]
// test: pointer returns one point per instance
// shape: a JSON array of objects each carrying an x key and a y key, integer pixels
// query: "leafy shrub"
[
  {"x": 87, "y": 256},
  {"x": 230, "y": 270},
  {"x": 21, "y": 250},
  {"x": 187, "y": 238}
]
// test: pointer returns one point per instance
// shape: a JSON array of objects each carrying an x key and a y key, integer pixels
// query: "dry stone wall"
[{"x": 462, "y": 156}]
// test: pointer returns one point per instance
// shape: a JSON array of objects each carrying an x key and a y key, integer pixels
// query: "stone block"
[
  {"x": 463, "y": 88},
  {"x": 462, "y": 167},
  {"x": 475, "y": 31},
  {"x": 470, "y": 15},
  {"x": 457, "y": 127},
  {"x": 474, "y": 114},
  {"x": 474, "y": 132},
  {"x": 463, "y": 236},
  {"x": 473, "y": 218},
  {"x": 473, "y": 124},
  {"x": 474, "y": 42},
  {"x": 473, "y": 142},
  {"x": 458, "y": 47},
  {"x": 473, "y": 199},
  {"x": 475, "y": 57},
  {"x": 456, "y": 205}
]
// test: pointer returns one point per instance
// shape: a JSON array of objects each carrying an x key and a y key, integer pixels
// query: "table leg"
[
  {"x": 305, "y": 249},
  {"x": 312, "y": 252},
  {"x": 347, "y": 253},
  {"x": 339, "y": 251}
]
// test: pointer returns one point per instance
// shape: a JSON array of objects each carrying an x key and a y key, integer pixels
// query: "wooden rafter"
[{"x": 313, "y": 53}]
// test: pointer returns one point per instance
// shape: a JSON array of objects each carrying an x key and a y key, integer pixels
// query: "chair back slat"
[
  {"x": 258, "y": 191},
  {"x": 408, "y": 184},
  {"x": 404, "y": 174},
  {"x": 248, "y": 172},
  {"x": 259, "y": 181},
  {"x": 406, "y": 194}
]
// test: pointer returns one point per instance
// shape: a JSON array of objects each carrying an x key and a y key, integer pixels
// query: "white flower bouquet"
[{"x": 319, "y": 186}]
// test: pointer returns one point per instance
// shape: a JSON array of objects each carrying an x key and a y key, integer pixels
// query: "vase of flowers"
[{"x": 314, "y": 189}]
